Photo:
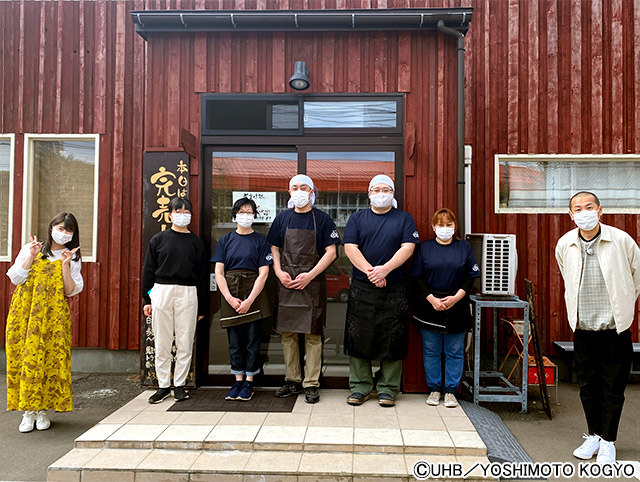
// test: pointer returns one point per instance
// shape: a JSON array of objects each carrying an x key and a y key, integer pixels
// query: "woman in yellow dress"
[{"x": 38, "y": 339}]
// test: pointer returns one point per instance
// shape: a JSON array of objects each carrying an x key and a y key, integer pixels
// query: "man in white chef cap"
[
  {"x": 303, "y": 243},
  {"x": 378, "y": 242}
]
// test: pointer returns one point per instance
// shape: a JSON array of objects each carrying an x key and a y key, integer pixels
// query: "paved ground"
[
  {"x": 25, "y": 457},
  {"x": 555, "y": 440}
]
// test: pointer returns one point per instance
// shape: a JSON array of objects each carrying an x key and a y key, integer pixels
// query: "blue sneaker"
[
  {"x": 233, "y": 393},
  {"x": 246, "y": 392}
]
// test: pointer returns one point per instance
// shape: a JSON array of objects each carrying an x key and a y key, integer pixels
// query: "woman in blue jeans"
[
  {"x": 444, "y": 269},
  {"x": 242, "y": 258}
]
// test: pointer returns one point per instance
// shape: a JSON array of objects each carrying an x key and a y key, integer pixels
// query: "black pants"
[
  {"x": 244, "y": 348},
  {"x": 602, "y": 362}
]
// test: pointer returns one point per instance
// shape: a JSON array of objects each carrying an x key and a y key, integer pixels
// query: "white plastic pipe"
[{"x": 467, "y": 189}]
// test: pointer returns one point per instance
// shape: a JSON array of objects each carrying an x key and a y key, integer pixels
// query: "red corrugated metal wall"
[{"x": 541, "y": 77}]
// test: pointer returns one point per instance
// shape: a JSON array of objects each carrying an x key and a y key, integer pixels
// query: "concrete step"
[
  {"x": 136, "y": 465},
  {"x": 326, "y": 441}
]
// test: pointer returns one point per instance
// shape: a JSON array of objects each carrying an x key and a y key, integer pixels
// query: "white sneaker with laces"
[
  {"x": 42, "y": 421},
  {"x": 28, "y": 421},
  {"x": 434, "y": 398},
  {"x": 450, "y": 400},
  {"x": 607, "y": 453},
  {"x": 588, "y": 448}
]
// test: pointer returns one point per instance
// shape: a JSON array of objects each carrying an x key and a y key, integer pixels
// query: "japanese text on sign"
[
  {"x": 265, "y": 201},
  {"x": 168, "y": 185}
]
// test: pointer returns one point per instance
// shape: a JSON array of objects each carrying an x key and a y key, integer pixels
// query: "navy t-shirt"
[
  {"x": 326, "y": 232},
  {"x": 379, "y": 237},
  {"x": 444, "y": 267},
  {"x": 242, "y": 251}
]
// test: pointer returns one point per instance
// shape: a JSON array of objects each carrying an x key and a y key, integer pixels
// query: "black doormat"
[{"x": 212, "y": 400}]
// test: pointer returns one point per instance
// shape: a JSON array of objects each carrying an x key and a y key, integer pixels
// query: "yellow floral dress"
[{"x": 38, "y": 341}]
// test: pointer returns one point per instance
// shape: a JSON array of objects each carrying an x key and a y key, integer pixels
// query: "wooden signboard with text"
[{"x": 165, "y": 176}]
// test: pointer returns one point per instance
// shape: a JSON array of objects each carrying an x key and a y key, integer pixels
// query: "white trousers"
[{"x": 175, "y": 312}]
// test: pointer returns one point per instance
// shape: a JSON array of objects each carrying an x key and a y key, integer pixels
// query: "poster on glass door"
[{"x": 265, "y": 201}]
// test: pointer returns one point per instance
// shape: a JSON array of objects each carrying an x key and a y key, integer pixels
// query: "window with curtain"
[
  {"x": 62, "y": 176},
  {"x": 545, "y": 183}
]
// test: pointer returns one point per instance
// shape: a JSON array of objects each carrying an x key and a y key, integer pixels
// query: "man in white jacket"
[{"x": 600, "y": 265}]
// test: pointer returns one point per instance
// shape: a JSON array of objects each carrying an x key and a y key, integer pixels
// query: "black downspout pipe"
[{"x": 460, "y": 141}]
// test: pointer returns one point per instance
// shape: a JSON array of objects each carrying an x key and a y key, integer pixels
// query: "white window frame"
[
  {"x": 12, "y": 151},
  {"x": 559, "y": 158},
  {"x": 28, "y": 183}
]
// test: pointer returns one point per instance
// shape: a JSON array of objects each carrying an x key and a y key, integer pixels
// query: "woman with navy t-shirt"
[
  {"x": 445, "y": 269},
  {"x": 242, "y": 258}
]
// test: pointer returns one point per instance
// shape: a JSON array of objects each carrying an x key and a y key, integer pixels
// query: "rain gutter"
[
  {"x": 150, "y": 21},
  {"x": 460, "y": 124}
]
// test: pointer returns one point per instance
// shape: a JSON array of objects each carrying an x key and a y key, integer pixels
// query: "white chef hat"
[{"x": 381, "y": 178}]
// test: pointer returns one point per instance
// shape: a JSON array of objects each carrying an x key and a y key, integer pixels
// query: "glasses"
[
  {"x": 246, "y": 212},
  {"x": 382, "y": 191}
]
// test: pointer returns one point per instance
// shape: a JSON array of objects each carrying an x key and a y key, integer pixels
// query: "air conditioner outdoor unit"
[{"x": 498, "y": 261}]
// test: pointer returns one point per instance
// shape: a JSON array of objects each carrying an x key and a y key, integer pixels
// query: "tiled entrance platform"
[{"x": 326, "y": 441}]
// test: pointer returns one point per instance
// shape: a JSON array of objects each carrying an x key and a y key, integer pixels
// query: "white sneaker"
[
  {"x": 28, "y": 421},
  {"x": 42, "y": 421},
  {"x": 450, "y": 400},
  {"x": 434, "y": 398},
  {"x": 607, "y": 453},
  {"x": 589, "y": 447}
]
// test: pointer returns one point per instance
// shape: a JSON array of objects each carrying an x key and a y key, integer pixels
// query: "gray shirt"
[{"x": 594, "y": 307}]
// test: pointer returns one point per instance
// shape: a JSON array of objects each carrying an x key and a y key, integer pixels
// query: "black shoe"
[
  {"x": 289, "y": 388},
  {"x": 233, "y": 393},
  {"x": 311, "y": 395},
  {"x": 161, "y": 394},
  {"x": 386, "y": 400},
  {"x": 246, "y": 392},
  {"x": 357, "y": 398},
  {"x": 179, "y": 394}
]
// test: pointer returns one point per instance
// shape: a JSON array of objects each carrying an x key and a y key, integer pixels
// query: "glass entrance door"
[
  {"x": 262, "y": 175},
  {"x": 342, "y": 176}
]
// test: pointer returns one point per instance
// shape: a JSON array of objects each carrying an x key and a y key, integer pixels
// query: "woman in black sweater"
[{"x": 174, "y": 280}]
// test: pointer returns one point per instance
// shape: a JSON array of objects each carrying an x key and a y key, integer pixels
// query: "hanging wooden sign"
[{"x": 165, "y": 176}]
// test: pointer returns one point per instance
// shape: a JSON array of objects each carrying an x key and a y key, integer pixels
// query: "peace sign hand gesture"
[
  {"x": 67, "y": 255},
  {"x": 34, "y": 246}
]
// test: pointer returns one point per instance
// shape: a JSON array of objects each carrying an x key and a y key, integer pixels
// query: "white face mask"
[
  {"x": 300, "y": 198},
  {"x": 181, "y": 219},
  {"x": 445, "y": 234},
  {"x": 586, "y": 220},
  {"x": 244, "y": 220},
  {"x": 60, "y": 237},
  {"x": 381, "y": 200}
]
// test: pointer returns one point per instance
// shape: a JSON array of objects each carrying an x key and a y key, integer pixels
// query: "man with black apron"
[
  {"x": 378, "y": 242},
  {"x": 303, "y": 243}
]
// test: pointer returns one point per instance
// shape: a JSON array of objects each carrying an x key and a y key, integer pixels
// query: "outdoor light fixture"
[{"x": 300, "y": 78}]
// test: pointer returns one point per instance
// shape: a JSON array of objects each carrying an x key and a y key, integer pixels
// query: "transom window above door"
[{"x": 297, "y": 114}]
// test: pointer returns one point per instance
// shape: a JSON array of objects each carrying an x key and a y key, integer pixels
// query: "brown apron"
[
  {"x": 240, "y": 282},
  {"x": 301, "y": 311}
]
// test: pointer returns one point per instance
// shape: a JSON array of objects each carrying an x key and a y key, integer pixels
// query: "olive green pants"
[{"x": 361, "y": 376}]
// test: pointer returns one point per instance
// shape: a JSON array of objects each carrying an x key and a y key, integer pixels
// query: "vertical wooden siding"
[
  {"x": 549, "y": 76},
  {"x": 542, "y": 76},
  {"x": 72, "y": 68}
]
